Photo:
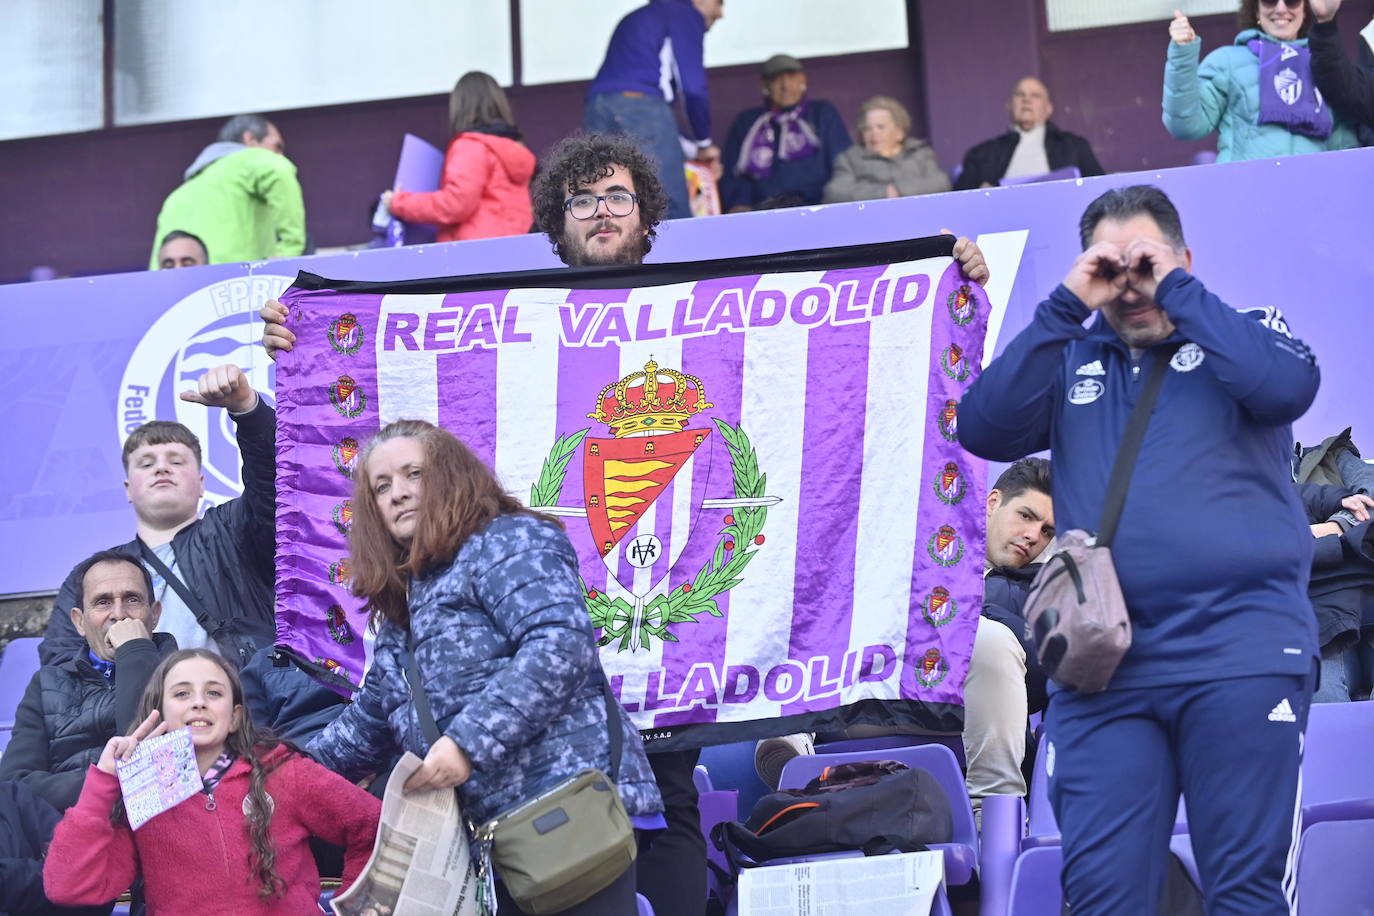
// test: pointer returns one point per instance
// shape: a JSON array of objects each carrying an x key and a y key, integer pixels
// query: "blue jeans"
[
  {"x": 650, "y": 122},
  {"x": 1347, "y": 673}
]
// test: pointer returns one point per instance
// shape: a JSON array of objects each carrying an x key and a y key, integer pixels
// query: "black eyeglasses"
[
  {"x": 584, "y": 206},
  {"x": 1291, "y": 4}
]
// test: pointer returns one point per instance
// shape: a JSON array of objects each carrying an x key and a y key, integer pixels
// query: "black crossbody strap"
[
  {"x": 417, "y": 693},
  {"x": 1131, "y": 440},
  {"x": 202, "y": 616},
  {"x": 431, "y": 727},
  {"x": 617, "y": 734}
]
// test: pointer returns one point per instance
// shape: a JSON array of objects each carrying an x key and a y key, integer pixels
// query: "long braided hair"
[{"x": 248, "y": 744}]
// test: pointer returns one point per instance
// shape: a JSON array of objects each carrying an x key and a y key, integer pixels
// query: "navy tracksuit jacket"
[
  {"x": 1213, "y": 553},
  {"x": 1213, "y": 550}
]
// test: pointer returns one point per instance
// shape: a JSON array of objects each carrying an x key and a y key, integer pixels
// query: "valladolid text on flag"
[{"x": 755, "y": 459}]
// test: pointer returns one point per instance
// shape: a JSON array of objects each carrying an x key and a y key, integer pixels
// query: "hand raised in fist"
[
  {"x": 275, "y": 337},
  {"x": 1324, "y": 10},
  {"x": 224, "y": 386}
]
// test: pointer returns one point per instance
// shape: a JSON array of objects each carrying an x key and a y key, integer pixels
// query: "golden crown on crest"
[{"x": 650, "y": 401}]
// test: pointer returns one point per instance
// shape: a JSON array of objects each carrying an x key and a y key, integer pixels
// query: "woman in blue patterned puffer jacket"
[{"x": 502, "y": 639}]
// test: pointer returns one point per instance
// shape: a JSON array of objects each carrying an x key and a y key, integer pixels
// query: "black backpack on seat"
[{"x": 875, "y": 806}]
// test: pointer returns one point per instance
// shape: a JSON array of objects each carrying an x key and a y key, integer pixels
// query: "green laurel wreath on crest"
[
  {"x": 548, "y": 489},
  {"x": 740, "y": 538}
]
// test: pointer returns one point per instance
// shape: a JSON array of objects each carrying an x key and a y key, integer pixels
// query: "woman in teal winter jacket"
[{"x": 1282, "y": 115}]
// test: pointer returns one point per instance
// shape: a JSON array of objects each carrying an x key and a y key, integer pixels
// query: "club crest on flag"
[
  {"x": 345, "y": 334},
  {"x": 949, "y": 484},
  {"x": 945, "y": 546},
  {"x": 341, "y": 571},
  {"x": 948, "y": 420},
  {"x": 932, "y": 668},
  {"x": 340, "y": 630},
  {"x": 962, "y": 305},
  {"x": 938, "y": 608},
  {"x": 627, "y": 499},
  {"x": 342, "y": 515},
  {"x": 347, "y": 398},
  {"x": 345, "y": 455},
  {"x": 954, "y": 362}
]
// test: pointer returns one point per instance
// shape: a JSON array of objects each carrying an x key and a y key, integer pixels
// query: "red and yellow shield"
[{"x": 623, "y": 477}]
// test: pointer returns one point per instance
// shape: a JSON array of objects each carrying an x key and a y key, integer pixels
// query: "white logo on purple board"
[{"x": 214, "y": 325}]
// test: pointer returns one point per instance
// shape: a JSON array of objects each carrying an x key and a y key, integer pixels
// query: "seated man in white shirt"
[{"x": 1032, "y": 145}]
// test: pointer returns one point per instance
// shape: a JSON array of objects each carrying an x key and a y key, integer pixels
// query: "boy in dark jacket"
[{"x": 223, "y": 560}]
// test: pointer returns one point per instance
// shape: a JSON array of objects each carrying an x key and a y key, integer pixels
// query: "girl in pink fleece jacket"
[{"x": 242, "y": 844}]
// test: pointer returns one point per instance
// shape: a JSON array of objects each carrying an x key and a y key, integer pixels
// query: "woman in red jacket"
[{"x": 486, "y": 187}]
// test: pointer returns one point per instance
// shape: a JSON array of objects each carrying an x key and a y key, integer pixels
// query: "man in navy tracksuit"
[
  {"x": 654, "y": 56},
  {"x": 1213, "y": 553}
]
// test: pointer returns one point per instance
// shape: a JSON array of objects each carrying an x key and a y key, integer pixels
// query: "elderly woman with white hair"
[{"x": 887, "y": 162}]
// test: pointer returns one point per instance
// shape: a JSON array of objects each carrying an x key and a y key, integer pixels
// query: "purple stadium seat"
[
  {"x": 1004, "y": 819},
  {"x": 715, "y": 807},
  {"x": 1337, "y": 778},
  {"x": 701, "y": 778},
  {"x": 1334, "y": 874},
  {"x": 882, "y": 742},
  {"x": 645, "y": 907},
  {"x": 17, "y": 665},
  {"x": 732, "y": 767},
  {"x": 1035, "y": 889},
  {"x": 1068, "y": 171},
  {"x": 1181, "y": 845},
  {"x": 961, "y": 856}
]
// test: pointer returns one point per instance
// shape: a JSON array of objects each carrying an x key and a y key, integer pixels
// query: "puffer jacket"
[
  {"x": 860, "y": 174},
  {"x": 505, "y": 647},
  {"x": 227, "y": 558},
  {"x": 485, "y": 191},
  {"x": 69, "y": 713},
  {"x": 1222, "y": 94}
]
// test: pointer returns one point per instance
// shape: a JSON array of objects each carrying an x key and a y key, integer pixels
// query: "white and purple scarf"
[
  {"x": 781, "y": 134},
  {"x": 1288, "y": 95}
]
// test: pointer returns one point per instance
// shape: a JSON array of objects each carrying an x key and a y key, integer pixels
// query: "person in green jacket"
[
  {"x": 1255, "y": 118},
  {"x": 240, "y": 197}
]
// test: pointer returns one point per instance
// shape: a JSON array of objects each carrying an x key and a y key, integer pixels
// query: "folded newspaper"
[
  {"x": 421, "y": 864},
  {"x": 902, "y": 884}
]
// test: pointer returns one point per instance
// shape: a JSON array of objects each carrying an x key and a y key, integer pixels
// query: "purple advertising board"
[{"x": 87, "y": 359}]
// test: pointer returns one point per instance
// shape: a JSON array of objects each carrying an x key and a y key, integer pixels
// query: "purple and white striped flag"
[{"x": 755, "y": 460}]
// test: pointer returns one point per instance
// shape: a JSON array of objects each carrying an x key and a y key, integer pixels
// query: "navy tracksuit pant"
[{"x": 1118, "y": 761}]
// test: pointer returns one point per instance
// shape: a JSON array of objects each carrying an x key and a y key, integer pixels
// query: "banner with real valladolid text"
[{"x": 755, "y": 459}]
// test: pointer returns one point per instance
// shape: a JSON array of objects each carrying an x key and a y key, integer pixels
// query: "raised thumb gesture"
[{"x": 1180, "y": 30}]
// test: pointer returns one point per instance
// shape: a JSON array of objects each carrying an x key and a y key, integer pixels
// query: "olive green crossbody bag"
[{"x": 559, "y": 848}]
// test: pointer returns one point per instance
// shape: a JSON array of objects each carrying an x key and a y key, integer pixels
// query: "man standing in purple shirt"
[{"x": 654, "y": 56}]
